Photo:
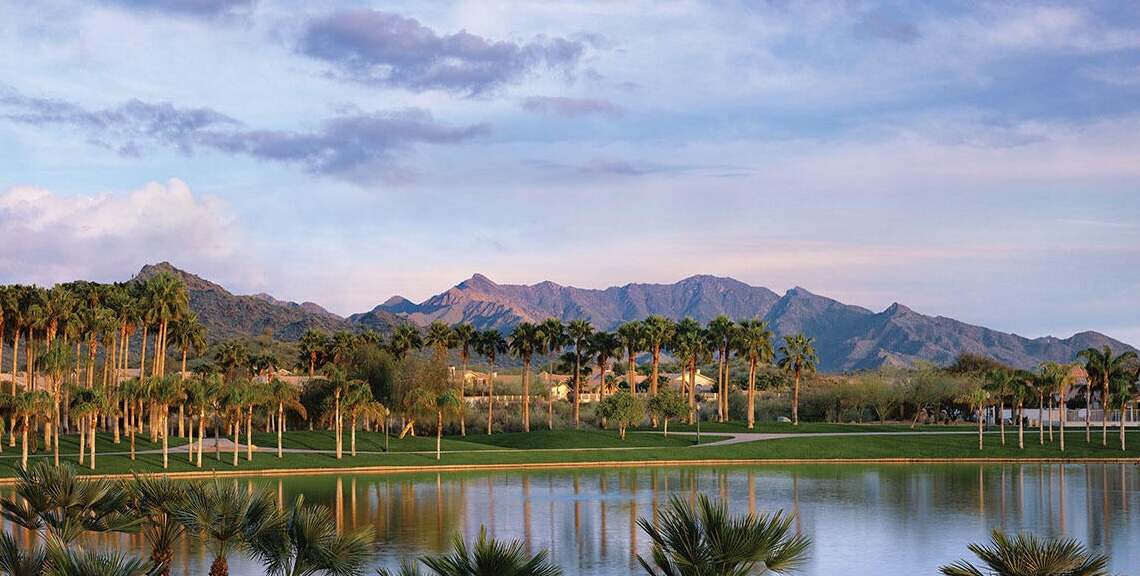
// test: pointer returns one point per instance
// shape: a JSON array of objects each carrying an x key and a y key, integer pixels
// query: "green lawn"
[
  {"x": 519, "y": 449},
  {"x": 813, "y": 427}
]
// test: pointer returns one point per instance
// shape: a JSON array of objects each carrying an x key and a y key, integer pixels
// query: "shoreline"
[{"x": 456, "y": 468}]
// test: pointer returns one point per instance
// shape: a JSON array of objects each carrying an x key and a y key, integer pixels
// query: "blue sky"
[{"x": 969, "y": 159}]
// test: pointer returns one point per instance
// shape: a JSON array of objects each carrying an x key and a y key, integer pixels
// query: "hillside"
[{"x": 847, "y": 337}]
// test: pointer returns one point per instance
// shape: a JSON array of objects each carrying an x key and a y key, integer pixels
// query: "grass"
[
  {"x": 814, "y": 427},
  {"x": 546, "y": 447}
]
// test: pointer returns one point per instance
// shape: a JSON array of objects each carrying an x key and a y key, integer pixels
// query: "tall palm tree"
[
  {"x": 405, "y": 338},
  {"x": 754, "y": 342},
  {"x": 658, "y": 332},
  {"x": 707, "y": 540},
  {"x": 358, "y": 402},
  {"x": 441, "y": 404},
  {"x": 303, "y": 540},
  {"x": 487, "y": 556},
  {"x": 721, "y": 333},
  {"x": 200, "y": 391},
  {"x": 440, "y": 338},
  {"x": 226, "y": 519},
  {"x": 164, "y": 392},
  {"x": 1101, "y": 366},
  {"x": 999, "y": 383},
  {"x": 231, "y": 356},
  {"x": 1057, "y": 378},
  {"x": 1027, "y": 555},
  {"x": 603, "y": 347},
  {"x": 1021, "y": 388},
  {"x": 977, "y": 398},
  {"x": 285, "y": 396},
  {"x": 169, "y": 301},
  {"x": 188, "y": 334},
  {"x": 56, "y": 362},
  {"x": 490, "y": 343},
  {"x": 690, "y": 346},
  {"x": 26, "y": 405},
  {"x": 553, "y": 339},
  {"x": 465, "y": 335},
  {"x": 524, "y": 341},
  {"x": 798, "y": 358},
  {"x": 578, "y": 333},
  {"x": 155, "y": 500},
  {"x": 313, "y": 344},
  {"x": 632, "y": 335},
  {"x": 341, "y": 346}
]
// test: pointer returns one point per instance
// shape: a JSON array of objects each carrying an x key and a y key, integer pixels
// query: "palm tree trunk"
[
  {"x": 249, "y": 434},
  {"x": 219, "y": 567},
  {"x": 577, "y": 383},
  {"x": 131, "y": 431},
  {"x": 1063, "y": 417},
  {"x": 693, "y": 407},
  {"x": 352, "y": 436},
  {"x": 438, "y": 432},
  {"x": 91, "y": 427},
  {"x": 201, "y": 434},
  {"x": 1104, "y": 418},
  {"x": 1001, "y": 418},
  {"x": 751, "y": 393},
  {"x": 1020, "y": 425},
  {"x": 491, "y": 398},
  {"x": 796, "y": 400},
  {"x": 24, "y": 444},
  {"x": 1122, "y": 408},
  {"x": 526, "y": 394},
  {"x": 336, "y": 426},
  {"x": 142, "y": 353},
  {"x": 82, "y": 441},
  {"x": 981, "y": 417},
  {"x": 1088, "y": 410},
  {"x": 280, "y": 426},
  {"x": 237, "y": 437},
  {"x": 165, "y": 436},
  {"x": 462, "y": 400}
]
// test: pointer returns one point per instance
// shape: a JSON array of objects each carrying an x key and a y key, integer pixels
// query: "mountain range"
[{"x": 847, "y": 337}]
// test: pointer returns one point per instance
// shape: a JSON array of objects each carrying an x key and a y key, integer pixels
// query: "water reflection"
[{"x": 886, "y": 519}]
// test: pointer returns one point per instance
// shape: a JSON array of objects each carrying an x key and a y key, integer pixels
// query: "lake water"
[{"x": 882, "y": 520}]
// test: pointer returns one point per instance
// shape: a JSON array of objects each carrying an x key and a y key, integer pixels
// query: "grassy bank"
[{"x": 570, "y": 447}]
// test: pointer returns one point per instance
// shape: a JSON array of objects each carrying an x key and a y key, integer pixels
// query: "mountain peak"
[
  {"x": 477, "y": 280},
  {"x": 897, "y": 309}
]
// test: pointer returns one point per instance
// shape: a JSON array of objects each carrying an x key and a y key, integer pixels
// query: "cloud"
[
  {"x": 570, "y": 107},
  {"x": 359, "y": 146},
  {"x": 127, "y": 127},
  {"x": 49, "y": 237},
  {"x": 375, "y": 47},
  {"x": 356, "y": 147},
  {"x": 194, "y": 8}
]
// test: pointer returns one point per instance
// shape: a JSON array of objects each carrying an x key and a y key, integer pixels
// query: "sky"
[{"x": 977, "y": 160}]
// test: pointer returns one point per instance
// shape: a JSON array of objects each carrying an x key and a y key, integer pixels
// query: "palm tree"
[
  {"x": 999, "y": 383},
  {"x": 340, "y": 386},
  {"x": 441, "y": 404},
  {"x": 304, "y": 541},
  {"x": 690, "y": 346},
  {"x": 465, "y": 335},
  {"x": 358, "y": 401},
  {"x": 553, "y": 339},
  {"x": 488, "y": 556},
  {"x": 707, "y": 540},
  {"x": 721, "y": 331},
  {"x": 1121, "y": 395},
  {"x": 658, "y": 332},
  {"x": 164, "y": 392},
  {"x": 169, "y": 301},
  {"x": 405, "y": 338},
  {"x": 1057, "y": 377},
  {"x": 525, "y": 339},
  {"x": 226, "y": 518},
  {"x": 155, "y": 500},
  {"x": 977, "y": 398},
  {"x": 200, "y": 393},
  {"x": 1027, "y": 555},
  {"x": 754, "y": 341},
  {"x": 284, "y": 396},
  {"x": 313, "y": 344},
  {"x": 1101, "y": 366},
  {"x": 578, "y": 333},
  {"x": 231, "y": 356},
  {"x": 490, "y": 344},
  {"x": 56, "y": 362},
  {"x": 24, "y": 406},
  {"x": 56, "y": 503},
  {"x": 604, "y": 346},
  {"x": 1021, "y": 387},
  {"x": 632, "y": 335},
  {"x": 439, "y": 337},
  {"x": 798, "y": 358}
]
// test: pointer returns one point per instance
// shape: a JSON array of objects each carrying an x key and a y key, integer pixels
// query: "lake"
[{"x": 873, "y": 519}]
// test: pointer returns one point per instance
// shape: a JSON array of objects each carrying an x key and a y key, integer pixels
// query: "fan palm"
[
  {"x": 690, "y": 346},
  {"x": 405, "y": 338},
  {"x": 24, "y": 406},
  {"x": 465, "y": 335},
  {"x": 578, "y": 333},
  {"x": 487, "y": 557},
  {"x": 54, "y": 502},
  {"x": 604, "y": 346},
  {"x": 632, "y": 335},
  {"x": 524, "y": 341},
  {"x": 797, "y": 358},
  {"x": 80, "y": 562},
  {"x": 553, "y": 338},
  {"x": 721, "y": 332},
  {"x": 441, "y": 404},
  {"x": 313, "y": 345},
  {"x": 754, "y": 341},
  {"x": 304, "y": 541},
  {"x": 17, "y": 560},
  {"x": 155, "y": 501},
  {"x": 658, "y": 332},
  {"x": 708, "y": 541},
  {"x": 490, "y": 344},
  {"x": 1101, "y": 367},
  {"x": 226, "y": 519},
  {"x": 999, "y": 383},
  {"x": 285, "y": 396},
  {"x": 166, "y": 390},
  {"x": 977, "y": 398},
  {"x": 1027, "y": 555}
]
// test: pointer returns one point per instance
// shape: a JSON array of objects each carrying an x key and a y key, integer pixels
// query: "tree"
[
  {"x": 977, "y": 398},
  {"x": 285, "y": 396},
  {"x": 668, "y": 404},
  {"x": 1056, "y": 378},
  {"x": 358, "y": 402},
  {"x": 690, "y": 346},
  {"x": 164, "y": 392},
  {"x": 465, "y": 335},
  {"x": 707, "y": 540},
  {"x": 658, "y": 332},
  {"x": 797, "y": 358},
  {"x": 440, "y": 337},
  {"x": 303, "y": 540},
  {"x": 603, "y": 346},
  {"x": 405, "y": 338},
  {"x": 154, "y": 500},
  {"x": 554, "y": 338},
  {"x": 622, "y": 409},
  {"x": 440, "y": 403},
  {"x": 1021, "y": 387},
  {"x": 24, "y": 406},
  {"x": 340, "y": 347},
  {"x": 578, "y": 333},
  {"x": 226, "y": 518},
  {"x": 721, "y": 333},
  {"x": 999, "y": 383},
  {"x": 754, "y": 342},
  {"x": 1101, "y": 367},
  {"x": 60, "y": 507},
  {"x": 490, "y": 344},
  {"x": 313, "y": 344},
  {"x": 1027, "y": 555},
  {"x": 487, "y": 557},
  {"x": 524, "y": 341}
]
